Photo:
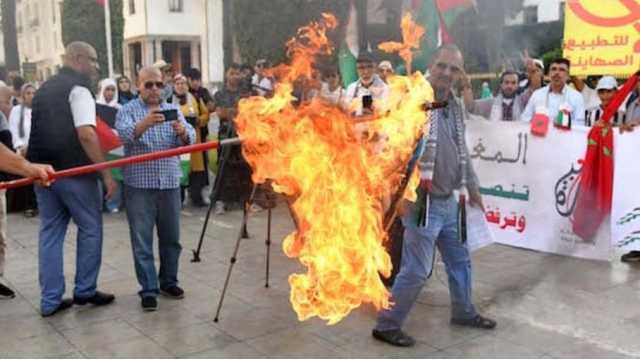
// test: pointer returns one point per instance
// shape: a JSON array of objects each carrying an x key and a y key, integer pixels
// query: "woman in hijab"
[
  {"x": 196, "y": 113},
  {"x": 108, "y": 96},
  {"x": 20, "y": 127},
  {"x": 124, "y": 90}
]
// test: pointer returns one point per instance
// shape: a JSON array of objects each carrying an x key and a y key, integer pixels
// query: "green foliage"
[
  {"x": 549, "y": 56},
  {"x": 83, "y": 20},
  {"x": 263, "y": 28}
]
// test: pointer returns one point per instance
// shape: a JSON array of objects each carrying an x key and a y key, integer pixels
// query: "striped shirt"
[
  {"x": 164, "y": 173},
  {"x": 593, "y": 114}
]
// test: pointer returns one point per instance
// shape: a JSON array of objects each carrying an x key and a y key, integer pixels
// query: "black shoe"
[
  {"x": 97, "y": 299},
  {"x": 149, "y": 304},
  {"x": 6, "y": 292},
  {"x": 478, "y": 322},
  {"x": 174, "y": 292},
  {"x": 65, "y": 304},
  {"x": 394, "y": 337},
  {"x": 631, "y": 257}
]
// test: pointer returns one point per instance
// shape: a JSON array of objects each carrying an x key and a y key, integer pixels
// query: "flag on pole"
[
  {"x": 350, "y": 48},
  {"x": 437, "y": 17}
]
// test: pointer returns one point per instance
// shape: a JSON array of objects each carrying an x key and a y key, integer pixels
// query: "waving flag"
[{"x": 350, "y": 48}]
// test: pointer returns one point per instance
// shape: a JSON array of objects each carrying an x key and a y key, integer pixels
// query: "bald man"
[
  {"x": 152, "y": 189},
  {"x": 63, "y": 135}
]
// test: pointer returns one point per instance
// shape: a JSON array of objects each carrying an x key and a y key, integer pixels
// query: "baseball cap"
[
  {"x": 539, "y": 63},
  {"x": 607, "y": 83},
  {"x": 386, "y": 65},
  {"x": 161, "y": 65}
]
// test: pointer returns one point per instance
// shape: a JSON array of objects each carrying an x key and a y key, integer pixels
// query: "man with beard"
[
  {"x": 507, "y": 106},
  {"x": 444, "y": 168},
  {"x": 550, "y": 100},
  {"x": 368, "y": 84}
]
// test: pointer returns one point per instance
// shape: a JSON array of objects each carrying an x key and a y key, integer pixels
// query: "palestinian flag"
[
  {"x": 350, "y": 48},
  {"x": 110, "y": 142},
  {"x": 437, "y": 17}
]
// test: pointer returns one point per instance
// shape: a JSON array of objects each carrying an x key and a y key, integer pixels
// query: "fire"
[
  {"x": 338, "y": 186},
  {"x": 411, "y": 35}
]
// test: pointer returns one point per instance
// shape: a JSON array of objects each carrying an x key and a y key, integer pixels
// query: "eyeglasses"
[
  {"x": 443, "y": 67},
  {"x": 150, "y": 84}
]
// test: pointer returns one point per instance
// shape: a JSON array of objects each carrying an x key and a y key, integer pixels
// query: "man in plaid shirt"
[{"x": 152, "y": 189}]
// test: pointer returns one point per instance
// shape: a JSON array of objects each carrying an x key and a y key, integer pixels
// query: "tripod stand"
[{"x": 270, "y": 203}]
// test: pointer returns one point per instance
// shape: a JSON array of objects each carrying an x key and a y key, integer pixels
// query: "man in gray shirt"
[{"x": 444, "y": 168}]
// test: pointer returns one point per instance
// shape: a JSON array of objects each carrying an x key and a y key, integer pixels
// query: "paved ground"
[{"x": 547, "y": 306}]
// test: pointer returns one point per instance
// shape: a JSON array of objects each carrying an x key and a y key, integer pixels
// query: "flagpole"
[{"x": 107, "y": 29}]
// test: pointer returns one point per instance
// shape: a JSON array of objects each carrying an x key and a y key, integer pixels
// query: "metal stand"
[{"x": 236, "y": 249}]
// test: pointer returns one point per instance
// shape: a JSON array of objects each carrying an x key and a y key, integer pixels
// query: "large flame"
[{"x": 338, "y": 185}]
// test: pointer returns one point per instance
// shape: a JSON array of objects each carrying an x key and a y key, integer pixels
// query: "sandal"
[{"x": 478, "y": 322}]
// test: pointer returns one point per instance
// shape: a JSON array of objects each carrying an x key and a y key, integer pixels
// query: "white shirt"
[
  {"x": 264, "y": 85},
  {"x": 590, "y": 97},
  {"x": 14, "y": 126},
  {"x": 544, "y": 97},
  {"x": 378, "y": 90},
  {"x": 335, "y": 96},
  {"x": 83, "y": 107}
]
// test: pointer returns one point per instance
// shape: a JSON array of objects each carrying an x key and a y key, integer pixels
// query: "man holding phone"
[
  {"x": 152, "y": 189},
  {"x": 366, "y": 94}
]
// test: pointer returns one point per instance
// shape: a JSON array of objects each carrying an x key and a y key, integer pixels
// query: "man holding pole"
[
  {"x": 152, "y": 189},
  {"x": 63, "y": 135},
  {"x": 444, "y": 168}
]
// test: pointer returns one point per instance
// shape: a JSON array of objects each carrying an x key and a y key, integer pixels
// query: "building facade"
[
  {"x": 184, "y": 33},
  {"x": 39, "y": 28},
  {"x": 538, "y": 11}
]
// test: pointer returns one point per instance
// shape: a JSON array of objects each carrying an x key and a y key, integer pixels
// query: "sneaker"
[
  {"x": 397, "y": 337},
  {"x": 97, "y": 299},
  {"x": 30, "y": 213},
  {"x": 149, "y": 304},
  {"x": 174, "y": 292},
  {"x": 219, "y": 209},
  {"x": 65, "y": 304},
  {"x": 6, "y": 292},
  {"x": 255, "y": 208},
  {"x": 631, "y": 257}
]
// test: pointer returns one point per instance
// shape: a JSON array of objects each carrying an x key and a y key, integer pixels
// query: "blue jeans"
[
  {"x": 417, "y": 264},
  {"x": 147, "y": 208},
  {"x": 79, "y": 198}
]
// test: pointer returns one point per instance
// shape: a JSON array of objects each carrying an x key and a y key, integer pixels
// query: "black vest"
[{"x": 54, "y": 139}]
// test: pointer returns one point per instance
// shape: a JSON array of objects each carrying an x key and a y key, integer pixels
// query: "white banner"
[
  {"x": 529, "y": 186},
  {"x": 625, "y": 215}
]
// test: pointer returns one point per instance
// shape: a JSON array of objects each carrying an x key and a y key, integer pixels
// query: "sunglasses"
[
  {"x": 443, "y": 67},
  {"x": 150, "y": 84}
]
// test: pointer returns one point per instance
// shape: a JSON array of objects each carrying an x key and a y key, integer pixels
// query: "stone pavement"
[{"x": 547, "y": 307}]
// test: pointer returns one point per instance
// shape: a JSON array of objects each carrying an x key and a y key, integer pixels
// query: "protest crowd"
[{"x": 56, "y": 126}]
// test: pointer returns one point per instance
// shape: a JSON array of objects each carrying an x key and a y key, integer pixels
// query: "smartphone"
[
  {"x": 367, "y": 102},
  {"x": 169, "y": 115}
]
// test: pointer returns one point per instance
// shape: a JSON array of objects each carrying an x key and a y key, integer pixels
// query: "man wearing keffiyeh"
[{"x": 444, "y": 168}]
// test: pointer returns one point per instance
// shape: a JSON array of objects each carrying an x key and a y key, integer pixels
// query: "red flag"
[
  {"x": 106, "y": 135},
  {"x": 595, "y": 193}
]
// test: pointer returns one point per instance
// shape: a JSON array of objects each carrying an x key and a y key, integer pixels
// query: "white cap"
[
  {"x": 385, "y": 65},
  {"x": 607, "y": 83},
  {"x": 539, "y": 63},
  {"x": 161, "y": 65}
]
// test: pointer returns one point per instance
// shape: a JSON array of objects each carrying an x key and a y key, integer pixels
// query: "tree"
[
  {"x": 83, "y": 20},
  {"x": 261, "y": 31},
  {"x": 8, "y": 8}
]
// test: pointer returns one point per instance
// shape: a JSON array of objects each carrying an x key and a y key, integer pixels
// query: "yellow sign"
[{"x": 602, "y": 37}]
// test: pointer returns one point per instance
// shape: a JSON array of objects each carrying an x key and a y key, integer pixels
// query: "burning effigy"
[{"x": 338, "y": 179}]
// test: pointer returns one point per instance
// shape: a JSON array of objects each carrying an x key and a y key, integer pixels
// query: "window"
[
  {"x": 132, "y": 7},
  {"x": 175, "y": 5},
  {"x": 531, "y": 15}
]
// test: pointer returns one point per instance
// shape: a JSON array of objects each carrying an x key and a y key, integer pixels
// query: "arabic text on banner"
[
  {"x": 529, "y": 186},
  {"x": 625, "y": 213},
  {"x": 602, "y": 37}
]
